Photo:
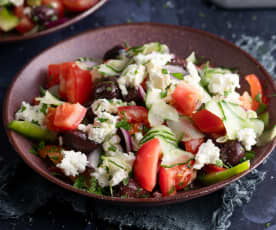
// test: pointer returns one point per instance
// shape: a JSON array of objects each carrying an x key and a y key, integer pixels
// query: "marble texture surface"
[{"x": 255, "y": 27}]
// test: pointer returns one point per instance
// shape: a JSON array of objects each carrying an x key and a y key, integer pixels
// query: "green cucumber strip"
[
  {"x": 265, "y": 118},
  {"x": 267, "y": 136},
  {"x": 32, "y": 131},
  {"x": 213, "y": 178}
]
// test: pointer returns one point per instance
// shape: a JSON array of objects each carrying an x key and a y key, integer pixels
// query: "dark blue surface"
[{"x": 228, "y": 24}]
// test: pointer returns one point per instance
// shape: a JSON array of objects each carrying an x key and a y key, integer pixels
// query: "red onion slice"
[
  {"x": 142, "y": 93},
  {"x": 128, "y": 140},
  {"x": 94, "y": 158}
]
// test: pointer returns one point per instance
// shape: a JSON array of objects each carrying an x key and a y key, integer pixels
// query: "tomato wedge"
[
  {"x": 255, "y": 89},
  {"x": 212, "y": 168},
  {"x": 49, "y": 120},
  {"x": 208, "y": 122},
  {"x": 69, "y": 116},
  {"x": 185, "y": 98},
  {"x": 146, "y": 164},
  {"x": 173, "y": 179},
  {"x": 246, "y": 101},
  {"x": 134, "y": 114},
  {"x": 79, "y": 5},
  {"x": 75, "y": 83},
  {"x": 55, "y": 4},
  {"x": 54, "y": 70},
  {"x": 192, "y": 145}
]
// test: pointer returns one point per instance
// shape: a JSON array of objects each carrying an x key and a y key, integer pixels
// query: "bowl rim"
[
  {"x": 71, "y": 21},
  {"x": 179, "y": 197}
]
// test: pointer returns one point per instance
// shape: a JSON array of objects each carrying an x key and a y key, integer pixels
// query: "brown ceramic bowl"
[
  {"x": 16, "y": 37},
  {"x": 181, "y": 40}
]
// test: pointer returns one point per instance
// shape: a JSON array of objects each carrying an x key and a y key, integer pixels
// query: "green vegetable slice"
[{"x": 213, "y": 178}]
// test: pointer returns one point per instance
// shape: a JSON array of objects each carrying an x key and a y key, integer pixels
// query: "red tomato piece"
[
  {"x": 25, "y": 25},
  {"x": 54, "y": 71},
  {"x": 49, "y": 120},
  {"x": 192, "y": 146},
  {"x": 255, "y": 89},
  {"x": 19, "y": 11},
  {"x": 56, "y": 4},
  {"x": 69, "y": 116},
  {"x": 75, "y": 83},
  {"x": 212, "y": 168},
  {"x": 246, "y": 101},
  {"x": 208, "y": 122},
  {"x": 185, "y": 98},
  {"x": 79, "y": 5},
  {"x": 173, "y": 179},
  {"x": 134, "y": 114},
  {"x": 146, "y": 164}
]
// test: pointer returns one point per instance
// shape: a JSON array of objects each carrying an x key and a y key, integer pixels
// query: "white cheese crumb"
[
  {"x": 31, "y": 113},
  {"x": 73, "y": 163},
  {"x": 132, "y": 77},
  {"x": 138, "y": 136},
  {"x": 110, "y": 106},
  {"x": 207, "y": 153},
  {"x": 156, "y": 58},
  {"x": 223, "y": 83},
  {"x": 112, "y": 146},
  {"x": 248, "y": 137},
  {"x": 193, "y": 71}
]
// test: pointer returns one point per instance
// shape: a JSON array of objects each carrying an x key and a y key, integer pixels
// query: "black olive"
[
  {"x": 113, "y": 53},
  {"x": 178, "y": 61},
  {"x": 131, "y": 190},
  {"x": 90, "y": 116},
  {"x": 231, "y": 152},
  {"x": 44, "y": 14},
  {"x": 78, "y": 141},
  {"x": 106, "y": 89},
  {"x": 133, "y": 95}
]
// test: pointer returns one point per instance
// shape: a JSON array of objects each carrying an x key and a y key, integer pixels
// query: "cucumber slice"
[
  {"x": 8, "y": 21},
  {"x": 213, "y": 107},
  {"x": 113, "y": 67},
  {"x": 267, "y": 136},
  {"x": 184, "y": 129},
  {"x": 265, "y": 118}
]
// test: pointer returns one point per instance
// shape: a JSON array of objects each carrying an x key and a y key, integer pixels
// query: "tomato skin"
[
  {"x": 192, "y": 146},
  {"x": 146, "y": 164},
  {"x": 56, "y": 4},
  {"x": 173, "y": 179},
  {"x": 19, "y": 11},
  {"x": 185, "y": 98},
  {"x": 255, "y": 89},
  {"x": 212, "y": 168},
  {"x": 78, "y": 5},
  {"x": 208, "y": 122},
  {"x": 25, "y": 25},
  {"x": 246, "y": 101},
  {"x": 49, "y": 120},
  {"x": 75, "y": 83},
  {"x": 134, "y": 114},
  {"x": 53, "y": 75},
  {"x": 69, "y": 116}
]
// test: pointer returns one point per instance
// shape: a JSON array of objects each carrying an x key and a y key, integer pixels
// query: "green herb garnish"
[
  {"x": 102, "y": 119},
  {"x": 164, "y": 71},
  {"x": 178, "y": 76},
  {"x": 44, "y": 109},
  {"x": 171, "y": 190}
]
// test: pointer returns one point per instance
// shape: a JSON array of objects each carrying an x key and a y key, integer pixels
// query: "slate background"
[{"x": 195, "y": 13}]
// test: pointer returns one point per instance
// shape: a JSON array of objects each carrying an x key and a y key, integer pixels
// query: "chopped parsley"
[
  {"x": 164, "y": 71},
  {"x": 249, "y": 155},
  {"x": 80, "y": 183},
  {"x": 33, "y": 151},
  {"x": 164, "y": 93},
  {"x": 138, "y": 190},
  {"x": 112, "y": 148},
  {"x": 125, "y": 181},
  {"x": 42, "y": 91},
  {"x": 56, "y": 158},
  {"x": 116, "y": 164},
  {"x": 23, "y": 108},
  {"x": 144, "y": 196},
  {"x": 262, "y": 107},
  {"x": 267, "y": 224},
  {"x": 178, "y": 76},
  {"x": 219, "y": 163},
  {"x": 102, "y": 120},
  {"x": 171, "y": 190},
  {"x": 109, "y": 89},
  {"x": 35, "y": 122},
  {"x": 123, "y": 124}
]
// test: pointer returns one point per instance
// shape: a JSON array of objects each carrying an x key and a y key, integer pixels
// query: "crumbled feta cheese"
[
  {"x": 114, "y": 169},
  {"x": 27, "y": 11},
  {"x": 132, "y": 77},
  {"x": 73, "y": 163},
  {"x": 158, "y": 59},
  {"x": 157, "y": 79},
  {"x": 191, "y": 58},
  {"x": 17, "y": 2},
  {"x": 112, "y": 146},
  {"x": 138, "y": 136},
  {"x": 110, "y": 106},
  {"x": 248, "y": 137},
  {"x": 101, "y": 129},
  {"x": 31, "y": 113},
  {"x": 207, "y": 153},
  {"x": 233, "y": 97},
  {"x": 223, "y": 83}
]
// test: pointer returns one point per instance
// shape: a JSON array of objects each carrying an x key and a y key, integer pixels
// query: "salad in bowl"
[{"x": 142, "y": 122}]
